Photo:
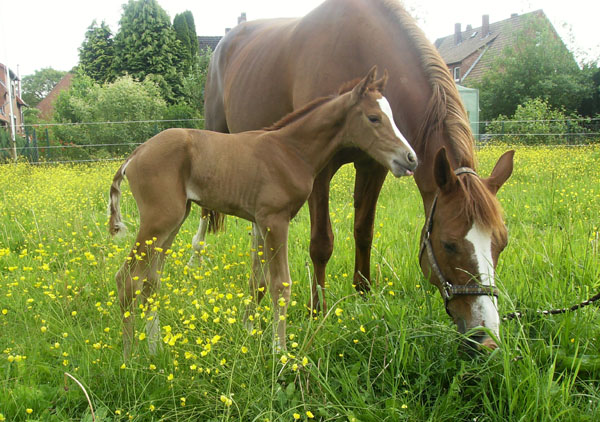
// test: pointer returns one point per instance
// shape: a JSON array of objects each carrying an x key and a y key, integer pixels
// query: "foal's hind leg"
[
  {"x": 153, "y": 319},
  {"x": 139, "y": 278},
  {"x": 198, "y": 241}
]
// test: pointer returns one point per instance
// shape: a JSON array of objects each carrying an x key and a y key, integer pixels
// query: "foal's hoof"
[{"x": 195, "y": 261}]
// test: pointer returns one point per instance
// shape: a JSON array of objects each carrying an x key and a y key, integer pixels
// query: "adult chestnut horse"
[{"x": 264, "y": 69}]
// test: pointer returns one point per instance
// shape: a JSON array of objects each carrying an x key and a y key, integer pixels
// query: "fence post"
[
  {"x": 25, "y": 149},
  {"x": 568, "y": 135},
  {"x": 48, "y": 150},
  {"x": 35, "y": 156}
]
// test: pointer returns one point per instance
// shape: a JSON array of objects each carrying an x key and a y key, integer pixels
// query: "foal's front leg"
[
  {"x": 280, "y": 286},
  {"x": 259, "y": 276}
]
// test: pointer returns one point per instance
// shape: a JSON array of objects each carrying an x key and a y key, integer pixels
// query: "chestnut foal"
[{"x": 262, "y": 176}]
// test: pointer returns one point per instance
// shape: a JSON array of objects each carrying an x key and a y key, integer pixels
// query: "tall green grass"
[{"x": 391, "y": 355}]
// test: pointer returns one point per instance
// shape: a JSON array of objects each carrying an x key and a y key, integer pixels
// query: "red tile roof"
[{"x": 487, "y": 48}]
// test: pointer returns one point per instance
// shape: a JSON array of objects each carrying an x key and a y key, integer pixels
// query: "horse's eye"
[
  {"x": 374, "y": 119},
  {"x": 450, "y": 247}
]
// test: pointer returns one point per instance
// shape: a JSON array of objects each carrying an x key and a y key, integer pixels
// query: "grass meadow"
[{"x": 391, "y": 356}]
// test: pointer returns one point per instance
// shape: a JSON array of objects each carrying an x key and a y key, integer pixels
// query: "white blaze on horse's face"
[
  {"x": 485, "y": 308},
  {"x": 386, "y": 108}
]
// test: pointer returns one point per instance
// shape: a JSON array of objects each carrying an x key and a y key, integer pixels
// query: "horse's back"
[
  {"x": 264, "y": 69},
  {"x": 241, "y": 80}
]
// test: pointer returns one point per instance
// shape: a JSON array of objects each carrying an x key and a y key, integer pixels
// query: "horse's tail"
[
  {"x": 216, "y": 220},
  {"x": 115, "y": 223}
]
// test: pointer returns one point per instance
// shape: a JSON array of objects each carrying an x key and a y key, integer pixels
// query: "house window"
[{"x": 457, "y": 73}]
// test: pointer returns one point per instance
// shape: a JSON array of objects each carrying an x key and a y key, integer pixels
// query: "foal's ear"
[
  {"x": 361, "y": 87},
  {"x": 442, "y": 172},
  {"x": 502, "y": 171},
  {"x": 380, "y": 84}
]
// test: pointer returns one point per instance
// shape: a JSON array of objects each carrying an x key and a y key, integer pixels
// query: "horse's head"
[
  {"x": 461, "y": 241},
  {"x": 371, "y": 127}
]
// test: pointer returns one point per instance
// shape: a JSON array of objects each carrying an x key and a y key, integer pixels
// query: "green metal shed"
[{"x": 470, "y": 98}]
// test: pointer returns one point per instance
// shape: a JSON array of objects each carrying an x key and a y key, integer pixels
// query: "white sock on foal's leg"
[
  {"x": 198, "y": 244},
  {"x": 153, "y": 331}
]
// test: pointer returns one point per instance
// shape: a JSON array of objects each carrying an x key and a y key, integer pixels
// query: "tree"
[
  {"x": 195, "y": 80},
  {"x": 146, "y": 44},
  {"x": 37, "y": 86},
  {"x": 186, "y": 34},
  {"x": 96, "y": 53},
  {"x": 590, "y": 105},
  {"x": 536, "y": 65}
]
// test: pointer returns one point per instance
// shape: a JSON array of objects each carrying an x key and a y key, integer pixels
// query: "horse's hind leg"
[{"x": 369, "y": 180}]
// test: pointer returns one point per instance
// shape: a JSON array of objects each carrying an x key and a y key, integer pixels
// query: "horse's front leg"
[
  {"x": 258, "y": 278},
  {"x": 321, "y": 237},
  {"x": 275, "y": 231},
  {"x": 369, "y": 179}
]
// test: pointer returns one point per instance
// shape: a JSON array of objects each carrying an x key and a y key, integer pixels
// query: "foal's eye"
[
  {"x": 450, "y": 247},
  {"x": 374, "y": 119}
]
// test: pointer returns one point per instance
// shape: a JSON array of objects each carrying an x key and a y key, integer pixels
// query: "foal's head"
[
  {"x": 462, "y": 238},
  {"x": 370, "y": 126}
]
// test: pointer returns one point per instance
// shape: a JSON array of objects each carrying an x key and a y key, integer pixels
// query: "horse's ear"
[
  {"x": 442, "y": 172},
  {"x": 361, "y": 87},
  {"x": 502, "y": 171},
  {"x": 380, "y": 84}
]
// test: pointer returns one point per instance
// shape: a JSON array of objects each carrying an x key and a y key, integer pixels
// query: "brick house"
[
  {"x": 469, "y": 53},
  {"x": 211, "y": 41},
  {"x": 18, "y": 105},
  {"x": 46, "y": 106}
]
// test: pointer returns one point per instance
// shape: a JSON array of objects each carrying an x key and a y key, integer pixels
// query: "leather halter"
[{"x": 449, "y": 290}]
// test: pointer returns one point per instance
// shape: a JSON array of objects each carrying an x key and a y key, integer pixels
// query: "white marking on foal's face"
[
  {"x": 485, "y": 308},
  {"x": 387, "y": 110}
]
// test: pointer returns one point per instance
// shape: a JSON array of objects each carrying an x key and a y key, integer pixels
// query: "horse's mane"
[{"x": 445, "y": 110}]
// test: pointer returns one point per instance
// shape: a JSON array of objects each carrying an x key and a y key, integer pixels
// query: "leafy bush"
[
  {"x": 535, "y": 122},
  {"x": 131, "y": 105}
]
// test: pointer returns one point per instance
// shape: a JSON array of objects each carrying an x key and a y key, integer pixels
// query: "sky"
[{"x": 36, "y": 34}]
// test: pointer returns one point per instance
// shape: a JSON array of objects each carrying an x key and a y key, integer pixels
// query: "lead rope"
[{"x": 590, "y": 301}]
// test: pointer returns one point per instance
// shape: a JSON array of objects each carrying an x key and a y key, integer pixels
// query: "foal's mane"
[
  {"x": 299, "y": 113},
  {"x": 445, "y": 110},
  {"x": 303, "y": 111}
]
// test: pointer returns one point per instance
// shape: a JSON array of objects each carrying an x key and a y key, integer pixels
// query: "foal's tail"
[
  {"x": 115, "y": 224},
  {"x": 216, "y": 220}
]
